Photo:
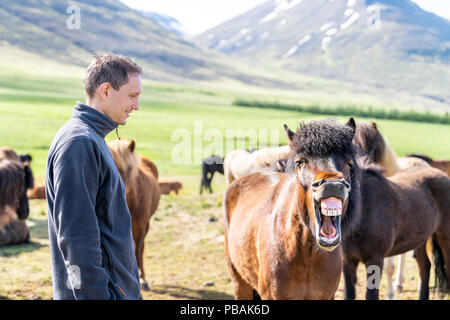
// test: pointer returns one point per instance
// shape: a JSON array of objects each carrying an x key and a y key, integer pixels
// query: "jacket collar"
[{"x": 94, "y": 119}]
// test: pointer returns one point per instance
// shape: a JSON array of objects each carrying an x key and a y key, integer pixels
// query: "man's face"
[{"x": 120, "y": 103}]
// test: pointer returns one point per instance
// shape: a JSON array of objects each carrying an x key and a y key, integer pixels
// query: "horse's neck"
[{"x": 291, "y": 232}]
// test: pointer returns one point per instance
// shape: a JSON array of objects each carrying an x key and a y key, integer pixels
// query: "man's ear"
[
  {"x": 132, "y": 145},
  {"x": 103, "y": 90}
]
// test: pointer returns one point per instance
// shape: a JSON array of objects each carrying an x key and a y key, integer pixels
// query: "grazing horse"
[
  {"x": 399, "y": 213},
  {"x": 443, "y": 165},
  {"x": 167, "y": 186},
  {"x": 142, "y": 194},
  {"x": 283, "y": 230},
  {"x": 15, "y": 179},
  {"x": 209, "y": 166},
  {"x": 240, "y": 163}
]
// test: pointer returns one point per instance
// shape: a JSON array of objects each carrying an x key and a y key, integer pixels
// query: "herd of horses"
[
  {"x": 290, "y": 234},
  {"x": 295, "y": 217}
]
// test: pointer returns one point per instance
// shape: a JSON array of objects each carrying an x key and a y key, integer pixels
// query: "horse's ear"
[
  {"x": 289, "y": 133},
  {"x": 25, "y": 158},
  {"x": 374, "y": 124},
  {"x": 29, "y": 179},
  {"x": 132, "y": 145},
  {"x": 351, "y": 123}
]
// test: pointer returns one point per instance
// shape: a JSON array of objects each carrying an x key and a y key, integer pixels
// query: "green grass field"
[{"x": 183, "y": 249}]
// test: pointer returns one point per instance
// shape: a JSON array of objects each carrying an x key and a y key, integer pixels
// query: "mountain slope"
[
  {"x": 40, "y": 27},
  {"x": 167, "y": 22},
  {"x": 407, "y": 48}
]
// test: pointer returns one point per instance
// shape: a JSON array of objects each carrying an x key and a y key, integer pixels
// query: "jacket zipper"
[{"x": 110, "y": 268}]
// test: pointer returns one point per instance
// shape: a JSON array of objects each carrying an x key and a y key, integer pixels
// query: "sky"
[{"x": 197, "y": 16}]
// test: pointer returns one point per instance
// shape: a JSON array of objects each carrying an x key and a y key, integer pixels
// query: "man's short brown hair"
[{"x": 110, "y": 68}]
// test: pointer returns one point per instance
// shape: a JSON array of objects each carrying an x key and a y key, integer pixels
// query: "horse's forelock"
[
  {"x": 125, "y": 159},
  {"x": 322, "y": 138}
]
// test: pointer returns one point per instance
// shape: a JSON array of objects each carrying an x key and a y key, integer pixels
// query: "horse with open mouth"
[{"x": 283, "y": 230}]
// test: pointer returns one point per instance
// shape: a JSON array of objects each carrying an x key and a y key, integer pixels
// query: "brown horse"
[
  {"x": 142, "y": 194},
  {"x": 399, "y": 214},
  {"x": 38, "y": 192},
  {"x": 283, "y": 230},
  {"x": 14, "y": 208},
  {"x": 167, "y": 186},
  {"x": 443, "y": 165}
]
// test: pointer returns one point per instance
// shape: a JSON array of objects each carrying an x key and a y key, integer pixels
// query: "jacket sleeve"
[{"x": 76, "y": 176}]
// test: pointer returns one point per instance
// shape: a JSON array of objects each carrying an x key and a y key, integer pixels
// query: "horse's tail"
[{"x": 441, "y": 281}]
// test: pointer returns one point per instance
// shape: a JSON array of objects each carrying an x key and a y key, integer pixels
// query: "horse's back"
[
  {"x": 147, "y": 164},
  {"x": 235, "y": 164}
]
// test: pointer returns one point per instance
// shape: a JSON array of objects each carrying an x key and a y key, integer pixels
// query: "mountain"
[
  {"x": 167, "y": 22},
  {"x": 71, "y": 32},
  {"x": 383, "y": 43}
]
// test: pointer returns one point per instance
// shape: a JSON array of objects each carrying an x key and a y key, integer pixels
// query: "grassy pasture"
[{"x": 183, "y": 248}]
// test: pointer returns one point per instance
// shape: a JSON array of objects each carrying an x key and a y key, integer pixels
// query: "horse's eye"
[
  {"x": 350, "y": 163},
  {"x": 299, "y": 162}
]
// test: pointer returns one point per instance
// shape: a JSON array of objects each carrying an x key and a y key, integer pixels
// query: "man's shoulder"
[{"x": 73, "y": 134}]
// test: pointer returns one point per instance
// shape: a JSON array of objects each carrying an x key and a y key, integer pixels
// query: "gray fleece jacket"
[{"x": 89, "y": 224}]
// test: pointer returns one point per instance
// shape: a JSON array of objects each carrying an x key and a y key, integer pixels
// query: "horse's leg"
[
  {"x": 242, "y": 291},
  {"x": 389, "y": 268},
  {"x": 350, "y": 279},
  {"x": 209, "y": 182},
  {"x": 139, "y": 251},
  {"x": 401, "y": 269},
  {"x": 424, "y": 271},
  {"x": 203, "y": 184},
  {"x": 444, "y": 244},
  {"x": 374, "y": 270}
]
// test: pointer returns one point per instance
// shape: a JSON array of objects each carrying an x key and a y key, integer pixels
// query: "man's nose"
[{"x": 135, "y": 105}]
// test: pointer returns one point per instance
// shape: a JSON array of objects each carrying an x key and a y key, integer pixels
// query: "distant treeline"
[{"x": 364, "y": 112}]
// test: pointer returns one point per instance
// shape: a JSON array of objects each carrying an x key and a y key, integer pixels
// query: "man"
[{"x": 92, "y": 251}]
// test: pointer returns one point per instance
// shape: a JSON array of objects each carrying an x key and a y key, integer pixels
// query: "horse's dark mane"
[
  {"x": 420, "y": 156},
  {"x": 12, "y": 182},
  {"x": 368, "y": 167},
  {"x": 321, "y": 138}
]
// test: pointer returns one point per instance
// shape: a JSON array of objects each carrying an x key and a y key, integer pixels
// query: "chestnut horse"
[
  {"x": 142, "y": 194},
  {"x": 400, "y": 213},
  {"x": 283, "y": 230}
]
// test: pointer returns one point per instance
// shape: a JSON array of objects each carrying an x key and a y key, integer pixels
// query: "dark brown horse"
[
  {"x": 443, "y": 165},
  {"x": 283, "y": 230},
  {"x": 142, "y": 194},
  {"x": 399, "y": 214},
  {"x": 14, "y": 209},
  {"x": 396, "y": 218}
]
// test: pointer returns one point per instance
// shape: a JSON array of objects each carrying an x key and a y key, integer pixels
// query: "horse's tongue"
[
  {"x": 327, "y": 229},
  {"x": 331, "y": 203}
]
